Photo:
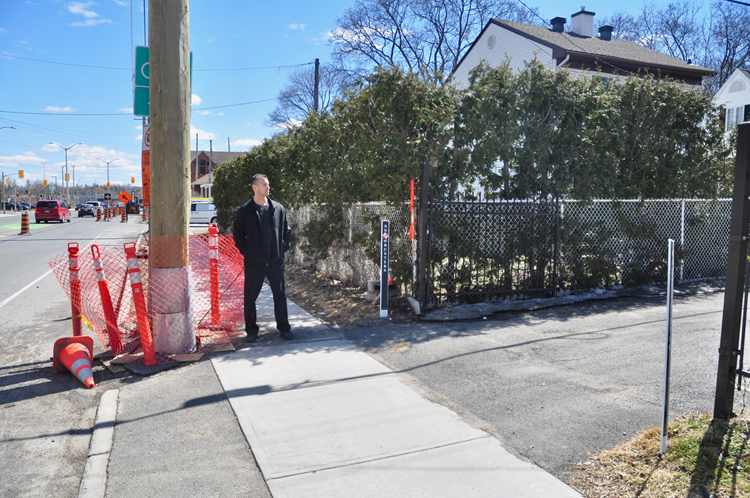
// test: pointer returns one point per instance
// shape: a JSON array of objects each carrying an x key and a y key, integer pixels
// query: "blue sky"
[{"x": 66, "y": 71}]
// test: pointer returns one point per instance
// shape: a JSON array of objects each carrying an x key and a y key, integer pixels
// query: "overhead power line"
[{"x": 129, "y": 69}]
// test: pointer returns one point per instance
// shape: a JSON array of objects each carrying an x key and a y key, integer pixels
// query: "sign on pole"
[
  {"x": 146, "y": 165},
  {"x": 125, "y": 197},
  {"x": 140, "y": 92},
  {"x": 141, "y": 103},
  {"x": 385, "y": 228}
]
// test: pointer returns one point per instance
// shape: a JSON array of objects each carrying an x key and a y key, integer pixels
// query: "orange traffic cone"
[{"x": 75, "y": 354}]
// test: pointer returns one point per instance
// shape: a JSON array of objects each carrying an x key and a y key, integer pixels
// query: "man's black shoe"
[
  {"x": 251, "y": 338},
  {"x": 287, "y": 336}
]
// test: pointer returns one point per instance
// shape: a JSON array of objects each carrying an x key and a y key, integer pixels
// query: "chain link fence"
[
  {"x": 351, "y": 255},
  {"x": 481, "y": 251}
]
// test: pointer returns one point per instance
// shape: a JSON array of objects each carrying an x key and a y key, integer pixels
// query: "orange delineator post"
[
  {"x": 213, "y": 265},
  {"x": 144, "y": 220},
  {"x": 109, "y": 313},
  {"x": 75, "y": 354},
  {"x": 75, "y": 287},
  {"x": 24, "y": 224},
  {"x": 124, "y": 217},
  {"x": 141, "y": 312},
  {"x": 99, "y": 214}
]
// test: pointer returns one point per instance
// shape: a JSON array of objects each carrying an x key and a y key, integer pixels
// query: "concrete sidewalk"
[{"x": 321, "y": 418}]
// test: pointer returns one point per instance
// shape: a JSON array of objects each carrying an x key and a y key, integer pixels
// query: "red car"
[{"x": 51, "y": 211}]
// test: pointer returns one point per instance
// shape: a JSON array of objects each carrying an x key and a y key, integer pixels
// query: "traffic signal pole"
[{"x": 169, "y": 101}]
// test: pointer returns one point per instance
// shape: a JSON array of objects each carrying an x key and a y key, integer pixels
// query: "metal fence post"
[
  {"x": 682, "y": 239},
  {"x": 422, "y": 241}
]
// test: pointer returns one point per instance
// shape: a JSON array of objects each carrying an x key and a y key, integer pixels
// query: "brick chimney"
[{"x": 583, "y": 23}]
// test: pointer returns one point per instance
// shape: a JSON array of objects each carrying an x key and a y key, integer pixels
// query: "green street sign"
[
  {"x": 140, "y": 95},
  {"x": 142, "y": 75}
]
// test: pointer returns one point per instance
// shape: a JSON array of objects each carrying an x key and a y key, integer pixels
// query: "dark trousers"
[{"x": 254, "y": 276}]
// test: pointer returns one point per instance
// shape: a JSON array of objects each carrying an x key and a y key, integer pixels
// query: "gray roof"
[{"x": 613, "y": 50}]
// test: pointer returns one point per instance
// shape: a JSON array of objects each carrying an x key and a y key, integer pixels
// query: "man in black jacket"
[{"x": 262, "y": 235}]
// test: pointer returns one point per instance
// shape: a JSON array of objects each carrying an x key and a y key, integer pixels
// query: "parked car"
[
  {"x": 51, "y": 211},
  {"x": 202, "y": 212},
  {"x": 23, "y": 205},
  {"x": 10, "y": 206}
]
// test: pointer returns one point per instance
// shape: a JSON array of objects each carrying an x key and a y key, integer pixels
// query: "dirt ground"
[{"x": 339, "y": 304}]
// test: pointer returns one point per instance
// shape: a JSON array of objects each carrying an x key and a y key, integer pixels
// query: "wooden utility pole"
[{"x": 169, "y": 93}]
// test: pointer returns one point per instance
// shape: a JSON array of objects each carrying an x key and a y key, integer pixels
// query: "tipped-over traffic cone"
[{"x": 75, "y": 354}]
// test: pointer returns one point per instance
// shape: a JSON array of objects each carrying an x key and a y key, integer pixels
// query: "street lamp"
[
  {"x": 108, "y": 163},
  {"x": 66, "y": 149}
]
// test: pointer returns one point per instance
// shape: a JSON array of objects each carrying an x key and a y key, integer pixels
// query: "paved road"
[
  {"x": 45, "y": 421},
  {"x": 558, "y": 384}
]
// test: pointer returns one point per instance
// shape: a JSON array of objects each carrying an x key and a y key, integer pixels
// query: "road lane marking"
[{"x": 9, "y": 299}]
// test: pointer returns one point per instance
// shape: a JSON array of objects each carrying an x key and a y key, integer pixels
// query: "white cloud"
[
  {"x": 296, "y": 26},
  {"x": 247, "y": 142},
  {"x": 209, "y": 113},
  {"x": 82, "y": 9},
  {"x": 202, "y": 135},
  {"x": 195, "y": 100},
  {"x": 122, "y": 3},
  {"x": 211, "y": 40},
  {"x": 125, "y": 109},
  {"x": 54, "y": 108},
  {"x": 3, "y": 31}
]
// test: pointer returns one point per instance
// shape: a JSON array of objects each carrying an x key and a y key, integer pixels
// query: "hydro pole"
[{"x": 169, "y": 96}]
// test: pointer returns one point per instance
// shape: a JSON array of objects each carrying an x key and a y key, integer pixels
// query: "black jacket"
[{"x": 247, "y": 234}]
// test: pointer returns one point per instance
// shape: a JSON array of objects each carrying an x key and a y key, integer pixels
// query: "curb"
[{"x": 94, "y": 480}]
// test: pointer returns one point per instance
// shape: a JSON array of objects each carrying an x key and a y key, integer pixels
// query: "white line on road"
[{"x": 38, "y": 279}]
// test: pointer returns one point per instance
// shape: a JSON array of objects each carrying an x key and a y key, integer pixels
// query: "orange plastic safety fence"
[{"x": 184, "y": 308}]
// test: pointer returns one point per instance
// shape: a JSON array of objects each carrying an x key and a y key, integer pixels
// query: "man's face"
[{"x": 262, "y": 187}]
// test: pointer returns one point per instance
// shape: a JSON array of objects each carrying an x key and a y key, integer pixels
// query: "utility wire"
[{"x": 130, "y": 69}]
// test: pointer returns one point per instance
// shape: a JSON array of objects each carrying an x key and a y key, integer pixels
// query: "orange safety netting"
[{"x": 160, "y": 308}]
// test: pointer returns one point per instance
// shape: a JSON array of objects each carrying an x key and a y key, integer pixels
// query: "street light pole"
[
  {"x": 66, "y": 149},
  {"x": 108, "y": 163}
]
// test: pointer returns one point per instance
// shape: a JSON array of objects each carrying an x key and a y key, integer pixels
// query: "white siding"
[
  {"x": 509, "y": 46},
  {"x": 734, "y": 94}
]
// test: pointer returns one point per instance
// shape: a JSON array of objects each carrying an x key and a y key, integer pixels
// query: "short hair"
[{"x": 257, "y": 177}]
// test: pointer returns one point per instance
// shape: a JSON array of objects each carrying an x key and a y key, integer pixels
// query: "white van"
[{"x": 202, "y": 212}]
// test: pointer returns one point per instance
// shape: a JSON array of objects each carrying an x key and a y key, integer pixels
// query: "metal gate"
[{"x": 479, "y": 251}]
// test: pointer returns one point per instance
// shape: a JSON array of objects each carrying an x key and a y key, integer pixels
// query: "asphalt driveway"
[{"x": 559, "y": 384}]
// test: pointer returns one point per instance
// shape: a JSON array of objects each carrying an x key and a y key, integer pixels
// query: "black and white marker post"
[{"x": 385, "y": 228}]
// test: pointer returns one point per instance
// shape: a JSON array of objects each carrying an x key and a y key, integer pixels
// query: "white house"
[
  {"x": 578, "y": 51},
  {"x": 734, "y": 96}
]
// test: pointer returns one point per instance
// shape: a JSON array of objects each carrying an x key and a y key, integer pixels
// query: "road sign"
[
  {"x": 146, "y": 165},
  {"x": 142, "y": 77},
  {"x": 107, "y": 196},
  {"x": 125, "y": 197}
]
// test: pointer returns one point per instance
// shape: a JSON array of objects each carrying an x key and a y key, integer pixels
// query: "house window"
[{"x": 735, "y": 115}]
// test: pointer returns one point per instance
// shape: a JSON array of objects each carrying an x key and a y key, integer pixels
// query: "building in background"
[
  {"x": 578, "y": 51},
  {"x": 202, "y": 166},
  {"x": 734, "y": 97}
]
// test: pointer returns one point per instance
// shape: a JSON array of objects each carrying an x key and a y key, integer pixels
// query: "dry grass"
[
  {"x": 705, "y": 458},
  {"x": 336, "y": 303}
]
